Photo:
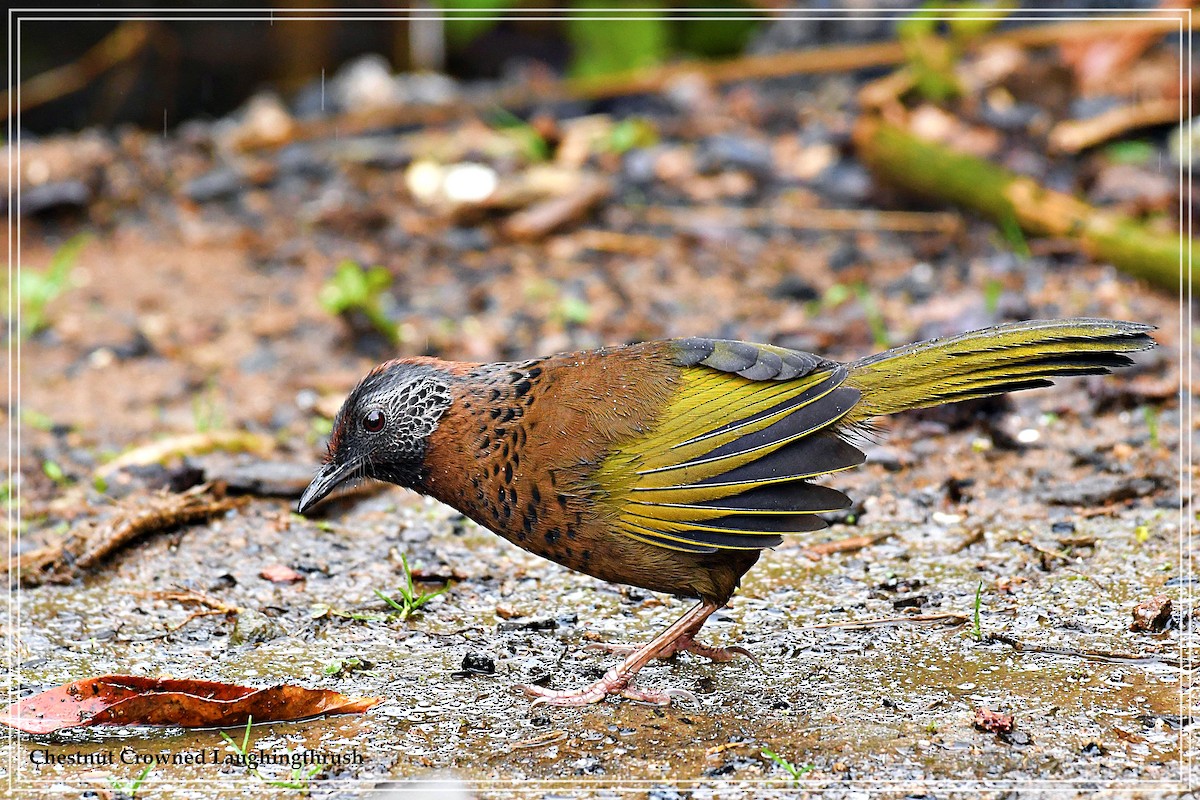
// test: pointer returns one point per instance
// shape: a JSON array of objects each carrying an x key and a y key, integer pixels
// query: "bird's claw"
[
  {"x": 713, "y": 653},
  {"x": 578, "y": 697},
  {"x": 657, "y": 697},
  {"x": 602, "y": 689}
]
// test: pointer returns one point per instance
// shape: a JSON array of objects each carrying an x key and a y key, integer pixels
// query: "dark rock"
[
  {"x": 464, "y": 239},
  {"x": 54, "y": 196},
  {"x": 721, "y": 153},
  {"x": 638, "y": 165},
  {"x": 845, "y": 181},
  {"x": 845, "y": 256},
  {"x": 222, "y": 183},
  {"x": 667, "y": 793},
  {"x": 1153, "y": 614},
  {"x": 1086, "y": 107},
  {"x": 793, "y": 287},
  {"x": 155, "y": 476},
  {"x": 262, "y": 359},
  {"x": 1016, "y": 737},
  {"x": 1063, "y": 527},
  {"x": 889, "y": 458},
  {"x": 301, "y": 160},
  {"x": 479, "y": 664},
  {"x": 1014, "y": 117},
  {"x": 955, "y": 489},
  {"x": 258, "y": 477},
  {"x": 587, "y": 765},
  {"x": 715, "y": 772},
  {"x": 1098, "y": 490},
  {"x": 544, "y": 624},
  {"x": 846, "y": 516}
]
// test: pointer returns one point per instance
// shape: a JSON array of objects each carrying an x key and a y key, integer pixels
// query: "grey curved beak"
[{"x": 326, "y": 480}]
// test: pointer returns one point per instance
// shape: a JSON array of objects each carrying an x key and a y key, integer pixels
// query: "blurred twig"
[
  {"x": 842, "y": 58},
  {"x": 1072, "y": 136},
  {"x": 126, "y": 41},
  {"x": 819, "y": 219}
]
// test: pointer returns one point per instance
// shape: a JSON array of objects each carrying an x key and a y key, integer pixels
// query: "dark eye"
[{"x": 372, "y": 421}]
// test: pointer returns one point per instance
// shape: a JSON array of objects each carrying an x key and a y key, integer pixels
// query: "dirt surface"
[{"x": 194, "y": 308}]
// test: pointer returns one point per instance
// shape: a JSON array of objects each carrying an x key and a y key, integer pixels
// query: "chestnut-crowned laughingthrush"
[{"x": 670, "y": 465}]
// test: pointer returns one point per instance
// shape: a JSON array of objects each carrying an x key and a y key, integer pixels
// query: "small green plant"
[
  {"x": 1010, "y": 229},
  {"x": 410, "y": 600},
  {"x": 879, "y": 329},
  {"x": 1150, "y": 415},
  {"x": 355, "y": 290},
  {"x": 208, "y": 414},
  {"x": 300, "y": 778},
  {"x": 796, "y": 772},
  {"x": 36, "y": 289},
  {"x": 54, "y": 472},
  {"x": 933, "y": 50},
  {"x": 322, "y": 610},
  {"x": 37, "y": 420},
  {"x": 533, "y": 145},
  {"x": 130, "y": 788},
  {"x": 1133, "y": 151},
  {"x": 320, "y": 524},
  {"x": 344, "y": 666},
  {"x": 572, "y": 310},
  {"x": 977, "y": 629},
  {"x": 630, "y": 133},
  {"x": 993, "y": 290},
  {"x": 833, "y": 297}
]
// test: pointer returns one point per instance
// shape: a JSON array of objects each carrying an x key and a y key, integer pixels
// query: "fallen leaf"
[
  {"x": 136, "y": 700},
  {"x": 278, "y": 573}
]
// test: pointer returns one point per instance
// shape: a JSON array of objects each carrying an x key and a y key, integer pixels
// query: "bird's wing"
[{"x": 727, "y": 465}]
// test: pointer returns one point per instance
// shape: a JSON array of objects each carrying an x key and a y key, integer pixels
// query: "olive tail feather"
[{"x": 1021, "y": 355}]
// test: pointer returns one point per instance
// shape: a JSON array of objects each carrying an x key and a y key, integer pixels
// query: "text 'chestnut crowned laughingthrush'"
[{"x": 670, "y": 465}]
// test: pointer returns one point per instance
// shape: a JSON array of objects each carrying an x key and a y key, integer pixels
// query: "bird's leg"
[
  {"x": 685, "y": 643},
  {"x": 618, "y": 679}
]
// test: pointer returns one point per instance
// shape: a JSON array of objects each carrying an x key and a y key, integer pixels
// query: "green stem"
[{"x": 936, "y": 171}]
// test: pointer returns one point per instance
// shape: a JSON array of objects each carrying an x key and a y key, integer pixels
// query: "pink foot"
[
  {"x": 685, "y": 643},
  {"x": 618, "y": 680},
  {"x": 613, "y": 682}
]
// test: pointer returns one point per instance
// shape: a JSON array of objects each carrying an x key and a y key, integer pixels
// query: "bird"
[{"x": 671, "y": 465}]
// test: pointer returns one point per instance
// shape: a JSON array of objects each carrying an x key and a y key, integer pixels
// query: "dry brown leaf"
[{"x": 135, "y": 700}]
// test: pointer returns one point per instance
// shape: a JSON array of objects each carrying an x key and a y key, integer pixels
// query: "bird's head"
[{"x": 382, "y": 430}]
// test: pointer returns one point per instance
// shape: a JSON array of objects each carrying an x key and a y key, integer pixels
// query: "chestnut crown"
[{"x": 382, "y": 430}]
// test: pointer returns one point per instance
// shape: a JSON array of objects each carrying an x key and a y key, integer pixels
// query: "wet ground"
[{"x": 194, "y": 310}]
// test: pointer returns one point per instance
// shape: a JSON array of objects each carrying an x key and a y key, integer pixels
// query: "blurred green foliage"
[
  {"x": 353, "y": 289},
  {"x": 532, "y": 144},
  {"x": 630, "y": 133},
  {"x": 36, "y": 289},
  {"x": 1134, "y": 151},
  {"x": 609, "y": 37},
  {"x": 935, "y": 36}
]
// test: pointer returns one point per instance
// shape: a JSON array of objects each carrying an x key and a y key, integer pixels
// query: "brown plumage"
[{"x": 670, "y": 465}]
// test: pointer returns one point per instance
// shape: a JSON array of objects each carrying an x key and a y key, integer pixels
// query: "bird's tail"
[{"x": 1021, "y": 355}]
